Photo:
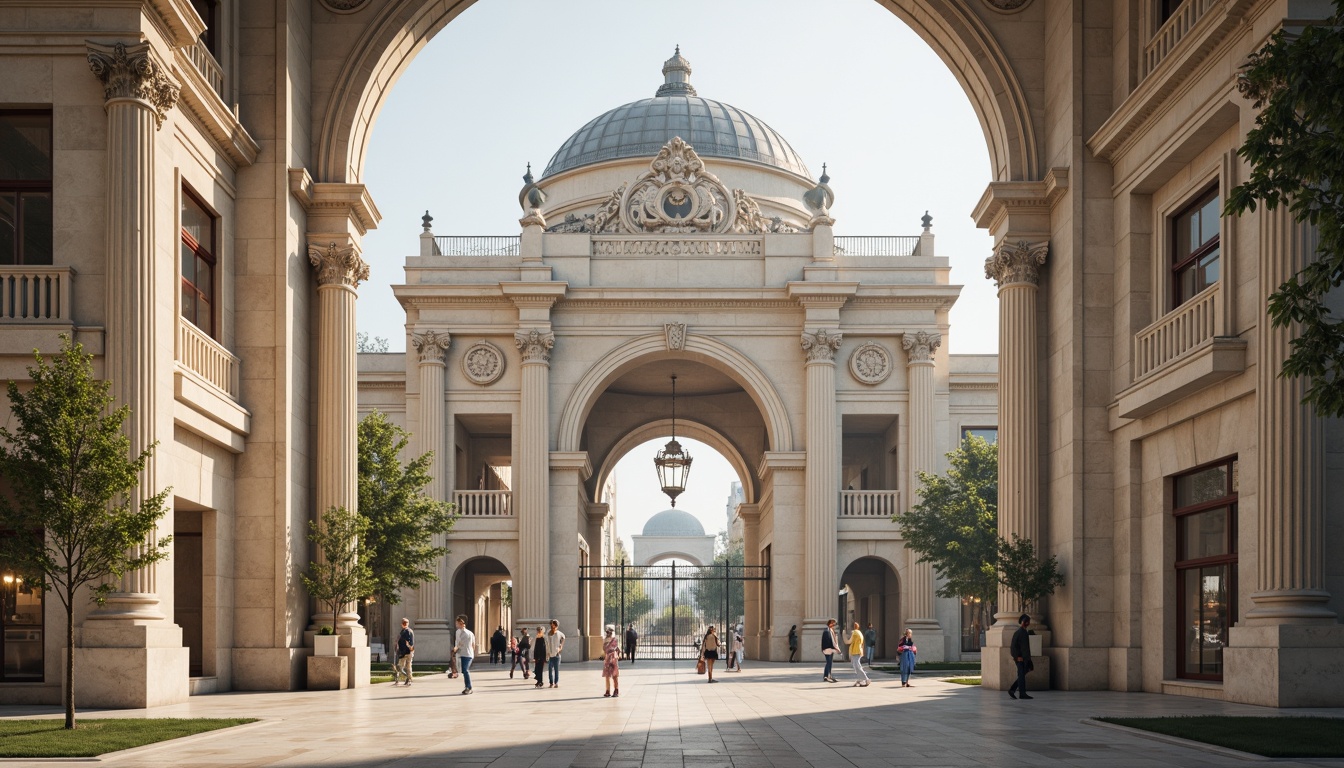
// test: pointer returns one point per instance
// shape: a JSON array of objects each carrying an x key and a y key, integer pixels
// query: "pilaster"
[
  {"x": 920, "y": 349},
  {"x": 822, "y": 477},
  {"x": 531, "y": 593},
  {"x": 431, "y": 347}
]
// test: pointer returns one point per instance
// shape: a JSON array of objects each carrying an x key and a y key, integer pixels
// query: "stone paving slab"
[{"x": 773, "y": 715}]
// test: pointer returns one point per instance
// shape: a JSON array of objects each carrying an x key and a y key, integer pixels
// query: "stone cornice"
[
  {"x": 180, "y": 21},
  {"x": 772, "y": 461},
  {"x": 1002, "y": 198},
  {"x": 821, "y": 294},
  {"x": 132, "y": 71},
  {"x": 573, "y": 461},
  {"x": 214, "y": 119},
  {"x": 332, "y": 198}
]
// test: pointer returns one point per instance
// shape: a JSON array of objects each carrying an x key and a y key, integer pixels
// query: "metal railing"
[
  {"x": 484, "y": 503},
  {"x": 869, "y": 504},
  {"x": 1173, "y": 30},
  {"x": 1184, "y": 328},
  {"x": 207, "y": 358},
  {"x": 36, "y": 294},
  {"x": 477, "y": 245},
  {"x": 205, "y": 63},
  {"x": 881, "y": 245}
]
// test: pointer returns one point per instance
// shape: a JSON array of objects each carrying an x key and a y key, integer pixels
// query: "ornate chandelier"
[{"x": 673, "y": 463}]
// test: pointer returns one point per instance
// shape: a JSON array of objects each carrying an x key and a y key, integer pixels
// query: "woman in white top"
[{"x": 464, "y": 648}]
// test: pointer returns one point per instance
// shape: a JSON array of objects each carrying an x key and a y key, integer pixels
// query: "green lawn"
[
  {"x": 381, "y": 671},
  {"x": 960, "y": 666},
  {"x": 964, "y": 680},
  {"x": 49, "y": 738},
  {"x": 1268, "y": 736}
]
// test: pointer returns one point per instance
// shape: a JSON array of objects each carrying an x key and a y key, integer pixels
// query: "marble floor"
[{"x": 770, "y": 715}]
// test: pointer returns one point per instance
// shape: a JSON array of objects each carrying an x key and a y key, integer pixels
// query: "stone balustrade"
[
  {"x": 36, "y": 294},
  {"x": 205, "y": 63},
  {"x": 1188, "y": 326},
  {"x": 484, "y": 503},
  {"x": 207, "y": 358},
  {"x": 869, "y": 504},
  {"x": 1173, "y": 31}
]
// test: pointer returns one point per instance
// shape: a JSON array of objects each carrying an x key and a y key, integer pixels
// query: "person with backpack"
[
  {"x": 709, "y": 651},
  {"x": 405, "y": 650}
]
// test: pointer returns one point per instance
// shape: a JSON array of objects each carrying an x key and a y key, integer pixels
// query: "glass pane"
[
  {"x": 188, "y": 264},
  {"x": 1190, "y": 620},
  {"x": 1204, "y": 534},
  {"x": 9, "y": 220},
  {"x": 1204, "y": 485},
  {"x": 1213, "y": 618},
  {"x": 205, "y": 278},
  {"x": 1185, "y": 281},
  {"x": 205, "y": 316},
  {"x": 1208, "y": 269},
  {"x": 188, "y": 302},
  {"x": 36, "y": 228},
  {"x": 22, "y": 622},
  {"x": 25, "y": 147},
  {"x": 1208, "y": 221},
  {"x": 196, "y": 222}
]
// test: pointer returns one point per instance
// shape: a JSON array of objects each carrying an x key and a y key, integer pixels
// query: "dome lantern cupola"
[{"x": 676, "y": 77}]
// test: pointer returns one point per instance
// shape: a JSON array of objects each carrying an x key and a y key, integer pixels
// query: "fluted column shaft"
[
  {"x": 432, "y": 347},
  {"x": 1290, "y": 578},
  {"x": 530, "y": 586},
  {"x": 822, "y": 476},
  {"x": 920, "y": 349}
]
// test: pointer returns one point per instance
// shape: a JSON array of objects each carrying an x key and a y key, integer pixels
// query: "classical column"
[
  {"x": 532, "y": 489},
  {"x": 339, "y": 271},
  {"x": 821, "y": 479},
  {"x": 919, "y": 348},
  {"x": 139, "y": 95},
  {"x": 1015, "y": 268},
  {"x": 432, "y": 346}
]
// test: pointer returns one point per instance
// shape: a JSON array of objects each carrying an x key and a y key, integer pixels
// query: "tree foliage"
[
  {"x": 636, "y": 599},
  {"x": 365, "y": 343},
  {"x": 1296, "y": 81},
  {"x": 402, "y": 522},
  {"x": 341, "y": 575},
  {"x": 75, "y": 506},
  {"x": 1030, "y": 577},
  {"x": 710, "y": 591}
]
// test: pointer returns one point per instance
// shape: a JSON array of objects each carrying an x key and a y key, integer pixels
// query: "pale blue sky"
[{"x": 509, "y": 80}]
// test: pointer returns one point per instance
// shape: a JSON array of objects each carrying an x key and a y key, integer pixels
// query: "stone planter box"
[
  {"x": 328, "y": 673},
  {"x": 1035, "y": 641},
  {"x": 326, "y": 645}
]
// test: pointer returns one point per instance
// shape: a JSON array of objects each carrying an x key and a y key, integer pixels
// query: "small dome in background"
[{"x": 673, "y": 522}]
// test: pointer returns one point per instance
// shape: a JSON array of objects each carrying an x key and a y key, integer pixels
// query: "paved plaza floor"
[{"x": 770, "y": 715}]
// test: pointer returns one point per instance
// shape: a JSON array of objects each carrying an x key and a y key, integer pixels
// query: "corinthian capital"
[
  {"x": 920, "y": 345},
  {"x": 535, "y": 345},
  {"x": 1018, "y": 262},
  {"x": 821, "y": 346},
  {"x": 130, "y": 72},
  {"x": 432, "y": 345},
  {"x": 338, "y": 266}
]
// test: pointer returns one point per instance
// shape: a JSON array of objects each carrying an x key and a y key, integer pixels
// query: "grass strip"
[
  {"x": 964, "y": 680},
  {"x": 966, "y": 666},
  {"x": 1269, "y": 736},
  {"x": 97, "y": 736}
]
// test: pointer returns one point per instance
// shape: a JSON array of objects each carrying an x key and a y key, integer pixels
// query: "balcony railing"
[
  {"x": 484, "y": 503},
  {"x": 884, "y": 245},
  {"x": 35, "y": 294},
  {"x": 206, "y": 358},
  {"x": 1173, "y": 30},
  {"x": 869, "y": 504},
  {"x": 1184, "y": 328},
  {"x": 477, "y": 245},
  {"x": 205, "y": 63}
]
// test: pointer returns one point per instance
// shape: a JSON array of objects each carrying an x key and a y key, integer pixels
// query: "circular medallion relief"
[
  {"x": 343, "y": 6},
  {"x": 1007, "y": 6},
  {"x": 483, "y": 363},
  {"x": 870, "y": 363}
]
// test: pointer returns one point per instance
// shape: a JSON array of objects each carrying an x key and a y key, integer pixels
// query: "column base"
[
  {"x": 929, "y": 639},
  {"x": 998, "y": 671},
  {"x": 809, "y": 640},
  {"x": 433, "y": 645},
  {"x": 130, "y": 666},
  {"x": 268, "y": 669},
  {"x": 1288, "y": 665}
]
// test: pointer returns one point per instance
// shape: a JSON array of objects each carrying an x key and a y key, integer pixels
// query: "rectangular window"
[
  {"x": 208, "y": 10},
  {"x": 21, "y": 616},
  {"x": 1195, "y": 248},
  {"x": 25, "y": 187},
  {"x": 988, "y": 434},
  {"x": 1205, "y": 507},
  {"x": 198, "y": 263}
]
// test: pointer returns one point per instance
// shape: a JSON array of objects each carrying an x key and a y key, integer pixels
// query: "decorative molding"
[
  {"x": 338, "y": 266},
  {"x": 601, "y": 304},
  {"x": 483, "y": 363},
  {"x": 1019, "y": 262},
  {"x": 535, "y": 345},
  {"x": 132, "y": 72},
  {"x": 985, "y": 386},
  {"x": 676, "y": 335},
  {"x": 1007, "y": 6},
  {"x": 677, "y": 248},
  {"x": 870, "y": 363},
  {"x": 920, "y": 345},
  {"x": 821, "y": 346},
  {"x": 432, "y": 346},
  {"x": 344, "y": 6}
]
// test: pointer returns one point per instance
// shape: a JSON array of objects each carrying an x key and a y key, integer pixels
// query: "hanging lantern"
[{"x": 673, "y": 463}]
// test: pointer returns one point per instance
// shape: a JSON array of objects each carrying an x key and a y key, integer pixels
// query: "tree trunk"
[{"x": 70, "y": 664}]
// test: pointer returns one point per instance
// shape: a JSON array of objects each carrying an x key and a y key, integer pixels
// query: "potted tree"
[
  {"x": 342, "y": 575},
  {"x": 1028, "y": 576}
]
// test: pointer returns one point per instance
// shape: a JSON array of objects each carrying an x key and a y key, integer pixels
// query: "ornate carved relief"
[
  {"x": 920, "y": 345},
  {"x": 676, "y": 335},
  {"x": 432, "y": 345},
  {"x": 338, "y": 266},
  {"x": 343, "y": 6},
  {"x": 483, "y": 363},
  {"x": 130, "y": 72},
  {"x": 1007, "y": 6},
  {"x": 1017, "y": 263},
  {"x": 821, "y": 346},
  {"x": 870, "y": 363},
  {"x": 535, "y": 345},
  {"x": 643, "y": 247}
]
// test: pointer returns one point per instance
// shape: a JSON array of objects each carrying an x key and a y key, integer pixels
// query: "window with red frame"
[
  {"x": 1205, "y": 507},
  {"x": 198, "y": 263},
  {"x": 1195, "y": 248}
]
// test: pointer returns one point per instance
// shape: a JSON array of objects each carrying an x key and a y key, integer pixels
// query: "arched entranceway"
[
  {"x": 870, "y": 594},
  {"x": 483, "y": 593}
]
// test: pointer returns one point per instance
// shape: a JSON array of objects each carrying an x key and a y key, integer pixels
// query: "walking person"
[
  {"x": 521, "y": 654},
  {"x": 499, "y": 645},
  {"x": 906, "y": 650},
  {"x": 611, "y": 663},
  {"x": 709, "y": 651},
  {"x": 830, "y": 645},
  {"x": 870, "y": 641},
  {"x": 856, "y": 656},
  {"x": 538, "y": 656},
  {"x": 1020, "y": 650},
  {"x": 793, "y": 644},
  {"x": 464, "y": 649},
  {"x": 405, "y": 650},
  {"x": 739, "y": 647},
  {"x": 631, "y": 640},
  {"x": 555, "y": 643}
]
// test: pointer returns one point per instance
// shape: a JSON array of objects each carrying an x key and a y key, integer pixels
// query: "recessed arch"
[
  {"x": 690, "y": 428},
  {"x": 392, "y": 32},
  {"x": 670, "y": 554}
]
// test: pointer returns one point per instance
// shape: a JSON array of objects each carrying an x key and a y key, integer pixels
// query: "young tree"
[
  {"x": 1295, "y": 82},
  {"x": 709, "y": 591},
  {"x": 366, "y": 343},
  {"x": 402, "y": 521},
  {"x": 341, "y": 575},
  {"x": 1025, "y": 574},
  {"x": 635, "y": 597},
  {"x": 74, "y": 506},
  {"x": 955, "y": 524}
]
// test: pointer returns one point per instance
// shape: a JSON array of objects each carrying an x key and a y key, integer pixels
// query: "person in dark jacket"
[
  {"x": 499, "y": 646},
  {"x": 631, "y": 641},
  {"x": 539, "y": 655},
  {"x": 1020, "y": 650},
  {"x": 830, "y": 645},
  {"x": 522, "y": 654},
  {"x": 793, "y": 644}
]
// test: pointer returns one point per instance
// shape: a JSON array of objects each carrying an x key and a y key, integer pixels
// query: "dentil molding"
[
  {"x": 483, "y": 363},
  {"x": 870, "y": 363}
]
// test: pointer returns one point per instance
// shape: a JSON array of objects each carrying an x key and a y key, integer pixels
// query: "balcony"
[
  {"x": 476, "y": 245},
  {"x": 1193, "y": 323},
  {"x": 883, "y": 245},
  {"x": 30, "y": 294},
  {"x": 869, "y": 505},
  {"x": 208, "y": 67},
  {"x": 1173, "y": 31},
  {"x": 207, "y": 358},
  {"x": 476, "y": 504}
]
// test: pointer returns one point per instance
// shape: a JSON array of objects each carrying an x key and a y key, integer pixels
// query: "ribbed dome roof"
[
  {"x": 641, "y": 128},
  {"x": 673, "y": 522}
]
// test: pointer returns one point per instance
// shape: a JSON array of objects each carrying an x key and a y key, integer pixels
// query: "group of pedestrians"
[{"x": 860, "y": 646}]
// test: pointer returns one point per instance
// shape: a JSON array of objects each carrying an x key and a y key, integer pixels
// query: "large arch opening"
[
  {"x": 482, "y": 592},
  {"x": 870, "y": 594}
]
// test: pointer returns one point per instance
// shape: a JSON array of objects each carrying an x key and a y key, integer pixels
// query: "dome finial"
[{"x": 676, "y": 76}]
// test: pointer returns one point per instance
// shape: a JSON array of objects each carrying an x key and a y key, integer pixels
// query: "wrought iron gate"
[{"x": 672, "y": 605}]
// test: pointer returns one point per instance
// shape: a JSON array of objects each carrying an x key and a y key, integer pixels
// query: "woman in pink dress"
[{"x": 611, "y": 661}]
